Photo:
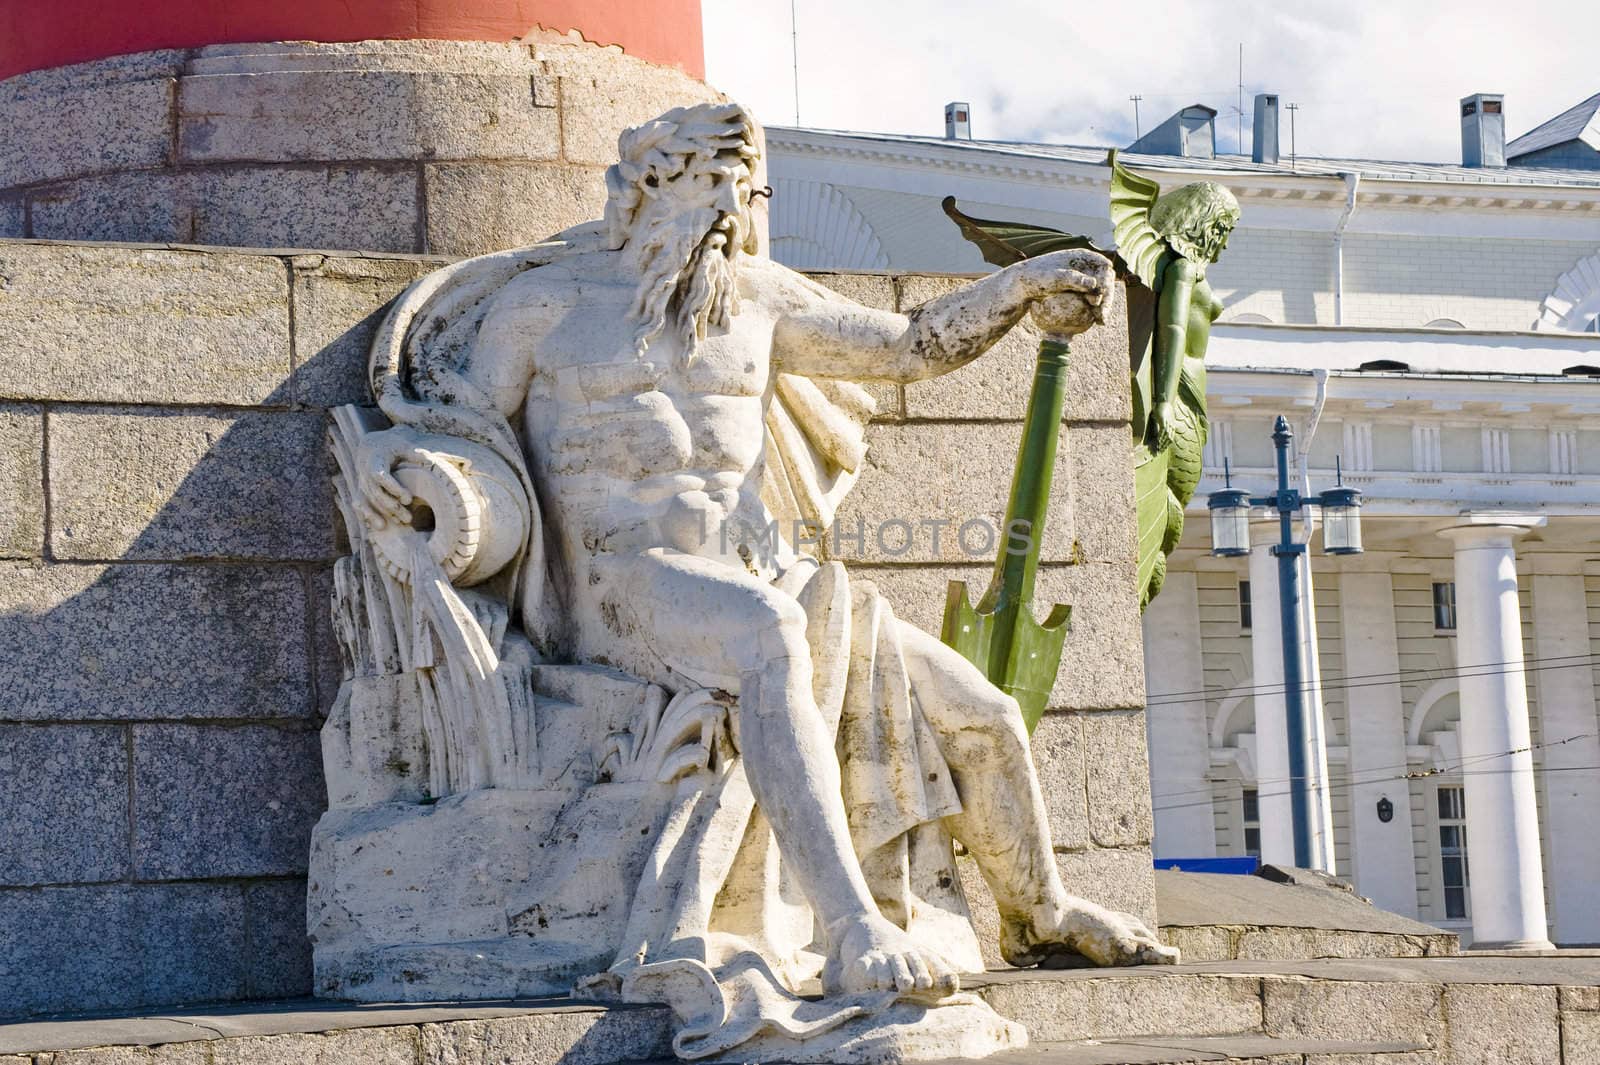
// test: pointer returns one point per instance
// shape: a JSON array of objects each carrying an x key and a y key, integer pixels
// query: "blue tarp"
[{"x": 1237, "y": 866}]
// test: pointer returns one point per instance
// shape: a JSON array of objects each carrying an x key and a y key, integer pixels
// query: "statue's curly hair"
[
  {"x": 1189, "y": 217},
  {"x": 702, "y": 137}
]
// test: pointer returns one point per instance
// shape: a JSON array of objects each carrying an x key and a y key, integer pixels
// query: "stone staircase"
[{"x": 1467, "y": 1009}]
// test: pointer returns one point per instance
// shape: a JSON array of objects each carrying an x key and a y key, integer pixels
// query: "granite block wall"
[
  {"x": 445, "y": 147},
  {"x": 166, "y": 535}
]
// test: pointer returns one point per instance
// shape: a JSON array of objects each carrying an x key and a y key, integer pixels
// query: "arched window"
[
  {"x": 1444, "y": 323},
  {"x": 1574, "y": 304},
  {"x": 1248, "y": 318}
]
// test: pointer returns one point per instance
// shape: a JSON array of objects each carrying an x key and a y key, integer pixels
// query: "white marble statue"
[{"x": 585, "y": 434}]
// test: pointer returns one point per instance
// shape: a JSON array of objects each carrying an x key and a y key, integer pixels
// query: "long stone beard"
[{"x": 689, "y": 284}]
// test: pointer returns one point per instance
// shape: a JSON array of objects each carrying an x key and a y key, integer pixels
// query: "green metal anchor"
[{"x": 999, "y": 635}]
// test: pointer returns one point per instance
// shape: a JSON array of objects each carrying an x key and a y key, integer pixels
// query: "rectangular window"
[
  {"x": 1244, "y": 606},
  {"x": 1252, "y": 821},
  {"x": 1454, "y": 875},
  {"x": 1444, "y": 606}
]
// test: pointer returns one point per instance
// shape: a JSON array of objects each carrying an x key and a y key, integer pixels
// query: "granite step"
[{"x": 1460, "y": 1010}]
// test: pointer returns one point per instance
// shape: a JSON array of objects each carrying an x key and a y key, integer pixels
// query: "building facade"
[{"x": 1432, "y": 331}]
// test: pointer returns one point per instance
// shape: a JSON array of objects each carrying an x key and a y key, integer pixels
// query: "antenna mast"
[
  {"x": 1136, "y": 133},
  {"x": 1292, "y": 109},
  {"x": 1241, "y": 98},
  {"x": 794, "y": 43}
]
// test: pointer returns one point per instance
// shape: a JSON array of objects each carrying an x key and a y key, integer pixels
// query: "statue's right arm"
[
  {"x": 825, "y": 336},
  {"x": 1171, "y": 340}
]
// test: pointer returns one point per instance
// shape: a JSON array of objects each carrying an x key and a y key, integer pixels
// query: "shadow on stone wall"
[{"x": 168, "y": 662}]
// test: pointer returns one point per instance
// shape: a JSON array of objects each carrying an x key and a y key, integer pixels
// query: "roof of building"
[
  {"x": 1303, "y": 166},
  {"x": 1576, "y": 123}
]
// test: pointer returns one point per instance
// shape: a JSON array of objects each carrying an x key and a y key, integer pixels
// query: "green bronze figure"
[
  {"x": 1167, "y": 242},
  {"x": 1163, "y": 246}
]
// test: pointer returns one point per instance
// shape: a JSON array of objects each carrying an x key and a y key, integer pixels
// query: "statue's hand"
[
  {"x": 1087, "y": 273},
  {"x": 1162, "y": 421},
  {"x": 385, "y": 498}
]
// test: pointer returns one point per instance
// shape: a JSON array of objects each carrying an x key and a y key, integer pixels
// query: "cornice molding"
[{"x": 1303, "y": 189}]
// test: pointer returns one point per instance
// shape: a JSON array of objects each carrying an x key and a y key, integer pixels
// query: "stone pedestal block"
[{"x": 453, "y": 147}]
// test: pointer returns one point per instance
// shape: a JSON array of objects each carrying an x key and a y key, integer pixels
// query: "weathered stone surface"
[
  {"x": 338, "y": 305},
  {"x": 1504, "y": 1024},
  {"x": 896, "y": 507},
  {"x": 1101, "y": 461},
  {"x": 1119, "y": 878},
  {"x": 194, "y": 1053},
  {"x": 997, "y": 385},
  {"x": 141, "y": 206},
  {"x": 1086, "y": 1005},
  {"x": 13, "y": 217},
  {"x": 142, "y": 326},
  {"x": 277, "y": 951},
  {"x": 72, "y": 948},
  {"x": 1199, "y": 944},
  {"x": 1277, "y": 942},
  {"x": 1058, "y": 756},
  {"x": 21, "y": 482},
  {"x": 867, "y": 289},
  {"x": 473, "y": 208},
  {"x": 354, "y": 207},
  {"x": 571, "y": 1037},
  {"x": 358, "y": 1046},
  {"x": 180, "y": 486},
  {"x": 604, "y": 92},
  {"x": 56, "y": 131},
  {"x": 1354, "y": 1009},
  {"x": 326, "y": 664},
  {"x": 1118, "y": 778},
  {"x": 985, "y": 915},
  {"x": 1580, "y": 998},
  {"x": 289, "y": 115},
  {"x": 64, "y": 790},
  {"x": 360, "y": 208},
  {"x": 142, "y": 642},
  {"x": 224, "y": 802},
  {"x": 1580, "y": 1038},
  {"x": 416, "y": 55},
  {"x": 1102, "y": 662}
]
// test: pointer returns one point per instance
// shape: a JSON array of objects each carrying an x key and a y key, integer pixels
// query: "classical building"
[{"x": 1431, "y": 329}]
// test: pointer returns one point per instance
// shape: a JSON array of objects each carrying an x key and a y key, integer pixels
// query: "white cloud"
[{"x": 1378, "y": 80}]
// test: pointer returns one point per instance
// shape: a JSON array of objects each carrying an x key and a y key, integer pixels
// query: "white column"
[
  {"x": 1272, "y": 722},
  {"x": 1180, "y": 747},
  {"x": 1572, "y": 788},
  {"x": 1502, "y": 819},
  {"x": 1384, "y": 868},
  {"x": 1272, "y": 728},
  {"x": 1311, "y": 670}
]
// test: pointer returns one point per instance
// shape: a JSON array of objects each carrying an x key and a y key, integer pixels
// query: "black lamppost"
[{"x": 1341, "y": 535}]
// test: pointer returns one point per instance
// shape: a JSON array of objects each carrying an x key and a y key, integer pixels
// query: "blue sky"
[{"x": 1377, "y": 80}]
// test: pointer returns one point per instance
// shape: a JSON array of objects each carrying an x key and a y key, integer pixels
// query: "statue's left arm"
[{"x": 823, "y": 336}]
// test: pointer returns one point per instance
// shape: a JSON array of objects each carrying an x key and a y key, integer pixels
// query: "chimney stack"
[
  {"x": 957, "y": 121},
  {"x": 1264, "y": 142},
  {"x": 1483, "y": 130},
  {"x": 1190, "y": 133}
]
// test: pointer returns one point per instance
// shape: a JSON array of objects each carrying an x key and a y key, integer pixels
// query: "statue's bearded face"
[{"x": 684, "y": 241}]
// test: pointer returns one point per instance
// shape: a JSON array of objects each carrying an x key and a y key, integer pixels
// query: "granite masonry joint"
[
  {"x": 46, "y": 552},
  {"x": 113, "y": 407},
  {"x": 138, "y": 881}
]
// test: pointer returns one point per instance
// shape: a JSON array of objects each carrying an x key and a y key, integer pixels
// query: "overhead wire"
[{"x": 1418, "y": 774}]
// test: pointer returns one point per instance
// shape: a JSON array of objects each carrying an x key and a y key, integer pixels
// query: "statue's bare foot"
[
  {"x": 1104, "y": 937},
  {"x": 873, "y": 954}
]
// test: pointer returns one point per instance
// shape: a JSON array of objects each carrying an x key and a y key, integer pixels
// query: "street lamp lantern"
[
  {"x": 1341, "y": 535},
  {"x": 1230, "y": 518},
  {"x": 1341, "y": 519}
]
